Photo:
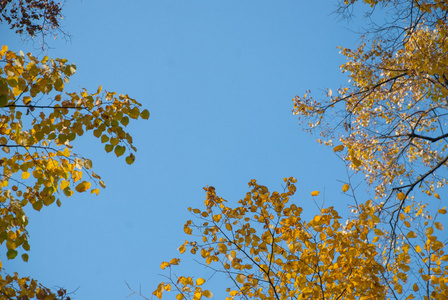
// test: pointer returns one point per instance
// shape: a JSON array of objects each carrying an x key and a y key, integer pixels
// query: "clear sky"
[{"x": 218, "y": 78}]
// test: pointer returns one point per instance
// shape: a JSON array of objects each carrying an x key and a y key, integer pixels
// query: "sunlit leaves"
[
  {"x": 270, "y": 251},
  {"x": 411, "y": 235},
  {"x": 338, "y": 148},
  {"x": 401, "y": 196},
  {"x": 164, "y": 265},
  {"x": 390, "y": 117},
  {"x": 200, "y": 281},
  {"x": 269, "y": 238},
  {"x": 40, "y": 120}
]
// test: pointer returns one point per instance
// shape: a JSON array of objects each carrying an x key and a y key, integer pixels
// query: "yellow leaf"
[
  {"x": 3, "y": 51},
  {"x": 95, "y": 191},
  {"x": 228, "y": 226},
  {"x": 200, "y": 281},
  {"x": 338, "y": 148},
  {"x": 437, "y": 245},
  {"x": 438, "y": 225},
  {"x": 401, "y": 196},
  {"x": 26, "y": 100},
  {"x": 174, "y": 261},
  {"x": 181, "y": 249},
  {"x": 66, "y": 152},
  {"x": 356, "y": 162},
  {"x": 163, "y": 265},
  {"x": 64, "y": 184},
  {"x": 411, "y": 234},
  {"x": 179, "y": 297},
  {"x": 315, "y": 193},
  {"x": 437, "y": 196},
  {"x": 240, "y": 278},
  {"x": 418, "y": 249},
  {"x": 25, "y": 175},
  {"x": 345, "y": 187},
  {"x": 415, "y": 287},
  {"x": 207, "y": 294},
  {"x": 375, "y": 219},
  {"x": 82, "y": 187},
  {"x": 378, "y": 232}
]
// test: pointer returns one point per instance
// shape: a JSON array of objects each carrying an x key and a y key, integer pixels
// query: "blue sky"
[{"x": 218, "y": 78}]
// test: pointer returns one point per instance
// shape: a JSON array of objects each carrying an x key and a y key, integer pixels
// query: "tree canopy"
[
  {"x": 389, "y": 122},
  {"x": 39, "y": 121},
  {"x": 267, "y": 250}
]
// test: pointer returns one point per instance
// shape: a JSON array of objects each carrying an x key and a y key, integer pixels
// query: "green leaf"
[
  {"x": 59, "y": 85},
  {"x": 12, "y": 82},
  {"x": 109, "y": 148},
  {"x": 26, "y": 246},
  {"x": 97, "y": 132},
  {"x": 71, "y": 136},
  {"x": 82, "y": 187},
  {"x": 130, "y": 159},
  {"x": 48, "y": 200},
  {"x": 3, "y": 100},
  {"x": 25, "y": 257},
  {"x": 38, "y": 205},
  {"x": 119, "y": 150},
  {"x": 11, "y": 254},
  {"x": 134, "y": 113},
  {"x": 68, "y": 192},
  {"x": 125, "y": 121},
  {"x": 145, "y": 114},
  {"x": 88, "y": 164}
]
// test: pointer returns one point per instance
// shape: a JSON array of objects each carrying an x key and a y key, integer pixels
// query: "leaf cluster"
[
  {"x": 268, "y": 251},
  {"x": 30, "y": 16},
  {"x": 39, "y": 121},
  {"x": 389, "y": 122}
]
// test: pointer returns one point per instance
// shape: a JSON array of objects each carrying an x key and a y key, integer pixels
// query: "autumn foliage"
[
  {"x": 268, "y": 250},
  {"x": 31, "y": 16},
  {"x": 388, "y": 123},
  {"x": 39, "y": 121}
]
